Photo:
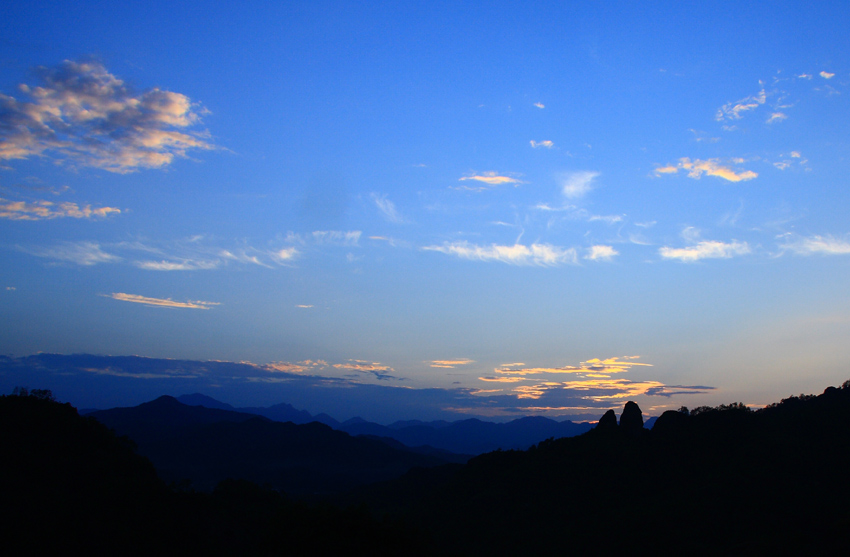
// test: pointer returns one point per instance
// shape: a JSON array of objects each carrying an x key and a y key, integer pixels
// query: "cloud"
[
  {"x": 450, "y": 364},
  {"x": 711, "y": 167},
  {"x": 387, "y": 207},
  {"x": 546, "y": 144},
  {"x": 706, "y": 250},
  {"x": 539, "y": 105},
  {"x": 160, "y": 302},
  {"x": 593, "y": 387},
  {"x": 188, "y": 254},
  {"x": 375, "y": 368},
  {"x": 502, "y": 380},
  {"x": 576, "y": 184},
  {"x": 339, "y": 237},
  {"x": 776, "y": 117},
  {"x": 81, "y": 253},
  {"x": 600, "y": 368},
  {"x": 818, "y": 245},
  {"x": 130, "y": 380},
  {"x": 284, "y": 367},
  {"x": 82, "y": 113},
  {"x": 827, "y": 75},
  {"x": 42, "y": 209},
  {"x": 517, "y": 254},
  {"x": 284, "y": 254},
  {"x": 489, "y": 178},
  {"x": 304, "y": 306},
  {"x": 185, "y": 265},
  {"x": 608, "y": 219},
  {"x": 601, "y": 253},
  {"x": 733, "y": 111}
]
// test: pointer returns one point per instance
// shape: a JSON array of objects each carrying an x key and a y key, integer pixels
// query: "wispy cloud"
[
  {"x": 595, "y": 366},
  {"x": 338, "y": 237},
  {"x": 82, "y": 113},
  {"x": 160, "y": 302},
  {"x": 816, "y": 245},
  {"x": 710, "y": 167},
  {"x": 601, "y": 253},
  {"x": 592, "y": 387},
  {"x": 184, "y": 265},
  {"x": 387, "y": 207},
  {"x": 81, "y": 253},
  {"x": 577, "y": 184},
  {"x": 539, "y": 105},
  {"x": 735, "y": 110},
  {"x": 517, "y": 254},
  {"x": 450, "y": 364},
  {"x": 545, "y": 144},
  {"x": 776, "y": 117},
  {"x": 285, "y": 254},
  {"x": 827, "y": 75},
  {"x": 363, "y": 366},
  {"x": 705, "y": 250},
  {"x": 188, "y": 254},
  {"x": 490, "y": 178},
  {"x": 42, "y": 210}
]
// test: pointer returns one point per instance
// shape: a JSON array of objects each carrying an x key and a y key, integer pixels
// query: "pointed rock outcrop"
[
  {"x": 608, "y": 422},
  {"x": 631, "y": 419}
]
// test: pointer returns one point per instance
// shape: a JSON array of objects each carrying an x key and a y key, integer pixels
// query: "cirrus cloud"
[
  {"x": 45, "y": 210},
  {"x": 160, "y": 302},
  {"x": 817, "y": 245},
  {"x": 517, "y": 254},
  {"x": 711, "y": 167},
  {"x": 577, "y": 184},
  {"x": 706, "y": 250},
  {"x": 491, "y": 178}
]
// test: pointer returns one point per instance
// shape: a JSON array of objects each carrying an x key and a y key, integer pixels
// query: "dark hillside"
[
  {"x": 70, "y": 486},
  {"x": 725, "y": 480},
  {"x": 68, "y": 481},
  {"x": 207, "y": 445}
]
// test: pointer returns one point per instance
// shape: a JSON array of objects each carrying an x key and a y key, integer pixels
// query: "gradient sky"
[{"x": 554, "y": 208}]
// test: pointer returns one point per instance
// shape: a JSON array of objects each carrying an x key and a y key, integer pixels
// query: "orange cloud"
[
  {"x": 451, "y": 363},
  {"x": 160, "y": 302},
  {"x": 489, "y": 178},
  {"x": 42, "y": 210},
  {"x": 594, "y": 365},
  {"x": 710, "y": 167}
]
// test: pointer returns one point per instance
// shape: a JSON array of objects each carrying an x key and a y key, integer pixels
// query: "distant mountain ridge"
[
  {"x": 471, "y": 436},
  {"x": 208, "y": 445},
  {"x": 709, "y": 481}
]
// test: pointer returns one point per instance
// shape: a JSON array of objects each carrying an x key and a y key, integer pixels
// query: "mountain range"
[{"x": 465, "y": 437}]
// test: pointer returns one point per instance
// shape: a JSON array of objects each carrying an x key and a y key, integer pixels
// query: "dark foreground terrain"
[{"x": 722, "y": 480}]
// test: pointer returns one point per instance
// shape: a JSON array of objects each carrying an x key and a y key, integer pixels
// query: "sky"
[{"x": 505, "y": 209}]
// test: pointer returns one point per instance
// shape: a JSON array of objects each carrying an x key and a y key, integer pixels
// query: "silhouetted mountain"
[
  {"x": 281, "y": 413},
  {"x": 472, "y": 436},
  {"x": 722, "y": 480},
  {"x": 69, "y": 482},
  {"x": 631, "y": 420},
  {"x": 197, "y": 399},
  {"x": 608, "y": 421},
  {"x": 70, "y": 486},
  {"x": 463, "y": 437},
  {"x": 208, "y": 445},
  {"x": 164, "y": 418}
]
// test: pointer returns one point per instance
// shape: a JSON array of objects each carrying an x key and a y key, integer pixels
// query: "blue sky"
[{"x": 555, "y": 207}]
